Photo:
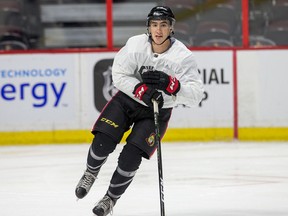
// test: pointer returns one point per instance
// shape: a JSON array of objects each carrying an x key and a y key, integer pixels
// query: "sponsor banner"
[
  {"x": 68, "y": 91},
  {"x": 216, "y": 110},
  {"x": 96, "y": 85},
  {"x": 263, "y": 88},
  {"x": 39, "y": 92}
]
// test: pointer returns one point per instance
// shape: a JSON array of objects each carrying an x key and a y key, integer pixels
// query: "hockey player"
[{"x": 150, "y": 66}]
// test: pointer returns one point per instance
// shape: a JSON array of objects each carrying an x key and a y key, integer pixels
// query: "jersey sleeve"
[{"x": 124, "y": 70}]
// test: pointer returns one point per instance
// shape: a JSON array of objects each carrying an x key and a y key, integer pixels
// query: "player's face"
[{"x": 160, "y": 30}]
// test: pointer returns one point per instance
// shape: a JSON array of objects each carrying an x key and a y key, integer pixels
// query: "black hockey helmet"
[{"x": 160, "y": 13}]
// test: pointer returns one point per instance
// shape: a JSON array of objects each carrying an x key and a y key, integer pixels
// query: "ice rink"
[{"x": 200, "y": 179}]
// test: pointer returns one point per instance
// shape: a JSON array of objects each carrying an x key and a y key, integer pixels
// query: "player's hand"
[
  {"x": 160, "y": 80},
  {"x": 146, "y": 94}
]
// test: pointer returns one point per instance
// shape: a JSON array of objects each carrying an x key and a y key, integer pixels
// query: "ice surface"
[{"x": 200, "y": 179}]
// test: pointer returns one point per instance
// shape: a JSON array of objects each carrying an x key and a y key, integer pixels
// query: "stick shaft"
[{"x": 159, "y": 157}]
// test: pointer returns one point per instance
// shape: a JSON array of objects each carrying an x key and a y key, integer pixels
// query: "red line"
[
  {"x": 245, "y": 23},
  {"x": 235, "y": 94},
  {"x": 109, "y": 25}
]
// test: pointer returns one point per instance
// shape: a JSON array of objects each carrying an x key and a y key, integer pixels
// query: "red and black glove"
[
  {"x": 160, "y": 80},
  {"x": 146, "y": 94}
]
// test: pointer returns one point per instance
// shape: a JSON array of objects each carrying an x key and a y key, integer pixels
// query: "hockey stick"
[{"x": 159, "y": 156}]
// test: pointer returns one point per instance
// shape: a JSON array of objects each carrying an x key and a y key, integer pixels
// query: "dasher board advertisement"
[
  {"x": 39, "y": 92},
  {"x": 68, "y": 91},
  {"x": 216, "y": 109}
]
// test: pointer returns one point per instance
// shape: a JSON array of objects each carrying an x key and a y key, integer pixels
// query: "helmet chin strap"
[{"x": 168, "y": 37}]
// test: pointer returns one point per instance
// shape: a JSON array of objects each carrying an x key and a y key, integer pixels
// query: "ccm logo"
[{"x": 109, "y": 122}]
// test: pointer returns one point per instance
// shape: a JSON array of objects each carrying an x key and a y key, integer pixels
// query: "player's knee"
[
  {"x": 103, "y": 144},
  {"x": 130, "y": 157}
]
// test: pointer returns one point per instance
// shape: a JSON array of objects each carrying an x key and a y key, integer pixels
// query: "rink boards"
[{"x": 56, "y": 97}]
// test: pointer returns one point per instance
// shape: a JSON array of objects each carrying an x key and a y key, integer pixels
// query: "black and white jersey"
[{"x": 178, "y": 61}]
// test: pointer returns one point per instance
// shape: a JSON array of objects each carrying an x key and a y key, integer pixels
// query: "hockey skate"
[
  {"x": 85, "y": 184},
  {"x": 104, "y": 206}
]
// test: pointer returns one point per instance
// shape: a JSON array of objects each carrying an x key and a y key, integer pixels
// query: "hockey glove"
[
  {"x": 160, "y": 80},
  {"x": 146, "y": 94}
]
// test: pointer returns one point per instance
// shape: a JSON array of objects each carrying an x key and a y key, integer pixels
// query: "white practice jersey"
[{"x": 178, "y": 61}]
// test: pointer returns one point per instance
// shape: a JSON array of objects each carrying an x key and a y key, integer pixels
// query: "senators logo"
[{"x": 151, "y": 140}]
